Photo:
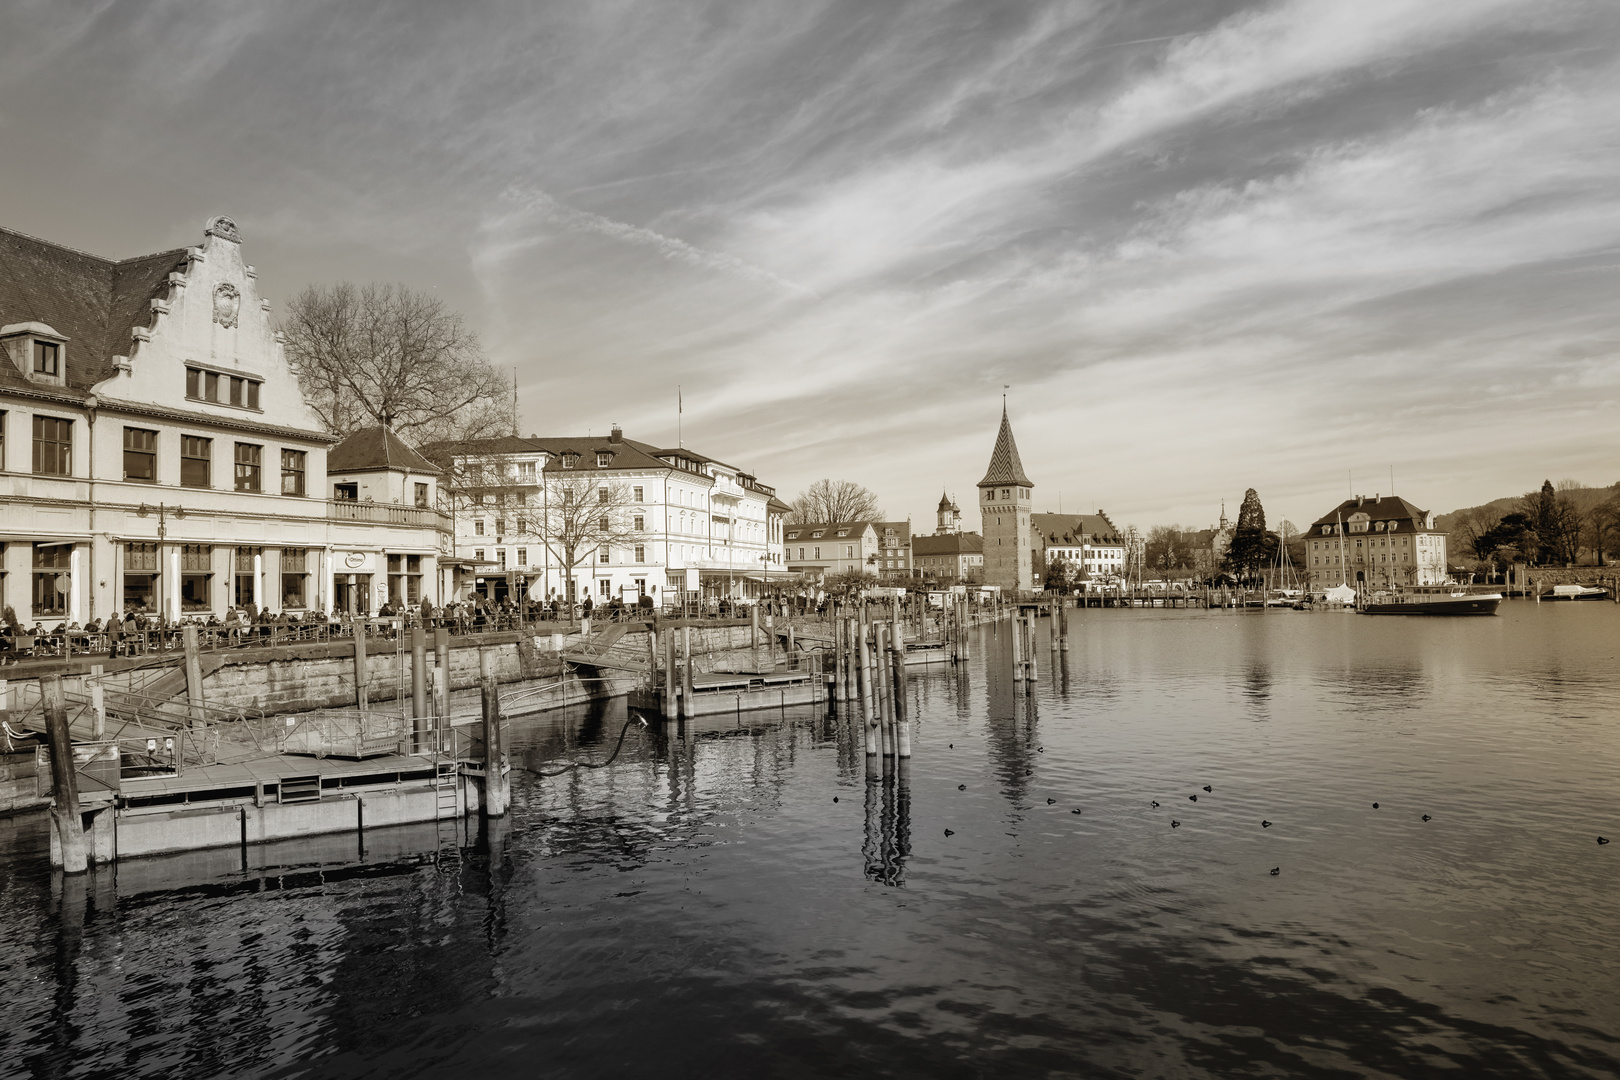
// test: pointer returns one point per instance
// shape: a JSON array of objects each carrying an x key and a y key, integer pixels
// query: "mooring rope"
[{"x": 595, "y": 765}]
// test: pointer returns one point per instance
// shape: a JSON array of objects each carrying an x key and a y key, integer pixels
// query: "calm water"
[{"x": 705, "y": 908}]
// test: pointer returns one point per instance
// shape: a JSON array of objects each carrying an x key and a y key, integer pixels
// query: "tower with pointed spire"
[
  {"x": 948, "y": 518},
  {"x": 1005, "y": 504}
]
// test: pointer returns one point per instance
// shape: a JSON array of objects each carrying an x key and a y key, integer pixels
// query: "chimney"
[{"x": 616, "y": 434}]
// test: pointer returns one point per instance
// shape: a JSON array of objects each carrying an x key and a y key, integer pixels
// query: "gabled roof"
[
  {"x": 93, "y": 302},
  {"x": 1005, "y": 468},
  {"x": 828, "y": 530},
  {"x": 902, "y": 529},
  {"x": 1062, "y": 529},
  {"x": 376, "y": 449},
  {"x": 949, "y": 544},
  {"x": 1387, "y": 508}
]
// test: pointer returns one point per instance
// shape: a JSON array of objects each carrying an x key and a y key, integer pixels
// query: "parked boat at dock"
[
  {"x": 1577, "y": 592},
  {"x": 1431, "y": 600}
]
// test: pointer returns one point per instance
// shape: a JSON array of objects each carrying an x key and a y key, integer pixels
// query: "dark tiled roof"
[
  {"x": 829, "y": 530},
  {"x": 375, "y": 448},
  {"x": 1005, "y": 468},
  {"x": 1055, "y": 528},
  {"x": 949, "y": 544},
  {"x": 1388, "y": 508},
  {"x": 93, "y": 302},
  {"x": 902, "y": 529}
]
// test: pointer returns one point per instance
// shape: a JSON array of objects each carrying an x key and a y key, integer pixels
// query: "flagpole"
[{"x": 679, "y": 441}]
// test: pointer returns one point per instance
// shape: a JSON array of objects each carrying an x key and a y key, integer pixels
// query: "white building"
[
  {"x": 156, "y": 453},
  {"x": 682, "y": 523},
  {"x": 822, "y": 549},
  {"x": 1087, "y": 542},
  {"x": 1376, "y": 541}
]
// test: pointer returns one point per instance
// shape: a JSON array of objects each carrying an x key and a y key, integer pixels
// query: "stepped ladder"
[{"x": 447, "y": 811}]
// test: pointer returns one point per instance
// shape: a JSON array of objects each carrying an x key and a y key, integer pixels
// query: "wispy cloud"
[{"x": 1212, "y": 246}]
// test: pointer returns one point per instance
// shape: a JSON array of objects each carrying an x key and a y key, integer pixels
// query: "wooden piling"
[
  {"x": 441, "y": 667},
  {"x": 1017, "y": 651},
  {"x": 194, "y": 676},
  {"x": 884, "y": 690},
  {"x": 686, "y": 671},
  {"x": 419, "y": 695},
  {"x": 67, "y": 825},
  {"x": 671, "y": 680},
  {"x": 496, "y": 791},
  {"x": 362, "y": 695}
]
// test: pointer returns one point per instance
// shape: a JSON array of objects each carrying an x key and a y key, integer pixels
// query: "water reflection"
[
  {"x": 887, "y": 843},
  {"x": 699, "y": 908}
]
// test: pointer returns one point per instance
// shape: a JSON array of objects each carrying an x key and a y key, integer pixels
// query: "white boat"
[
  {"x": 1342, "y": 595},
  {"x": 1577, "y": 592},
  {"x": 1432, "y": 600}
]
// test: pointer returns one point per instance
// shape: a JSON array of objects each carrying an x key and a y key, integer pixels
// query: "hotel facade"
[{"x": 158, "y": 456}]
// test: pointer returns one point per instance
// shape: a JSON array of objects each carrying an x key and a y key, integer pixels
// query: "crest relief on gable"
[{"x": 227, "y": 304}]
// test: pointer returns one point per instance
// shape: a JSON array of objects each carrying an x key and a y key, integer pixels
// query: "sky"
[{"x": 1201, "y": 245}]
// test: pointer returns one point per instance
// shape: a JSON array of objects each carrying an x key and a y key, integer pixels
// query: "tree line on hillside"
[{"x": 1553, "y": 526}]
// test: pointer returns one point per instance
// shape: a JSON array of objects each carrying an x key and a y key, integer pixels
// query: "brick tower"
[{"x": 1005, "y": 503}]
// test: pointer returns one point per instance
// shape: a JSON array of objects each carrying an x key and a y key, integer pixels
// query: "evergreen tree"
[{"x": 1252, "y": 547}]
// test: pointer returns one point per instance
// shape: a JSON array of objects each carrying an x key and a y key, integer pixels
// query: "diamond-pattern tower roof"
[{"x": 1005, "y": 468}]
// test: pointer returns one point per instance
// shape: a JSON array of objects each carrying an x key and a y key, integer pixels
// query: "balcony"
[{"x": 375, "y": 513}]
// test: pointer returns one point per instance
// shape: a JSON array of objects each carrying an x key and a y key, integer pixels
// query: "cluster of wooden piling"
[
  {"x": 1024, "y": 620},
  {"x": 869, "y": 669}
]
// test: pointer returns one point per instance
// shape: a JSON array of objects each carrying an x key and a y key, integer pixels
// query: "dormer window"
[
  {"x": 570, "y": 460},
  {"x": 37, "y": 351},
  {"x": 47, "y": 358},
  {"x": 603, "y": 459}
]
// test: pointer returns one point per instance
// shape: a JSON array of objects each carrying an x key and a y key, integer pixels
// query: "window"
[
  {"x": 247, "y": 467},
  {"x": 603, "y": 554},
  {"x": 294, "y": 577},
  {"x": 196, "y": 562},
  {"x": 140, "y": 577},
  {"x": 849, "y": 551},
  {"x": 2, "y": 440},
  {"x": 346, "y": 492},
  {"x": 569, "y": 460},
  {"x": 500, "y": 526},
  {"x": 601, "y": 494},
  {"x": 818, "y": 553},
  {"x": 801, "y": 553},
  {"x": 640, "y": 522},
  {"x": 1004, "y": 495},
  {"x": 478, "y": 526},
  {"x": 422, "y": 496},
  {"x": 222, "y": 389},
  {"x": 636, "y": 492},
  {"x": 52, "y": 565},
  {"x": 47, "y": 358},
  {"x": 405, "y": 579},
  {"x": 641, "y": 553},
  {"x": 604, "y": 588},
  {"x": 140, "y": 455},
  {"x": 246, "y": 579},
  {"x": 523, "y": 556},
  {"x": 53, "y": 446},
  {"x": 525, "y": 472},
  {"x": 293, "y": 463},
  {"x": 478, "y": 554},
  {"x": 500, "y": 558},
  {"x": 603, "y": 459}
]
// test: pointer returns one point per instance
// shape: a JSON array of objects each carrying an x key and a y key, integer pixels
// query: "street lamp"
[{"x": 163, "y": 511}]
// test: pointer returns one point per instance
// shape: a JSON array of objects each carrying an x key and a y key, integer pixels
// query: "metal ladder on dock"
[{"x": 447, "y": 815}]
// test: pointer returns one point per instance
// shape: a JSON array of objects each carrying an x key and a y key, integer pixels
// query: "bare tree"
[
  {"x": 834, "y": 501},
  {"x": 1603, "y": 527},
  {"x": 581, "y": 519},
  {"x": 386, "y": 354},
  {"x": 1472, "y": 529}
]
